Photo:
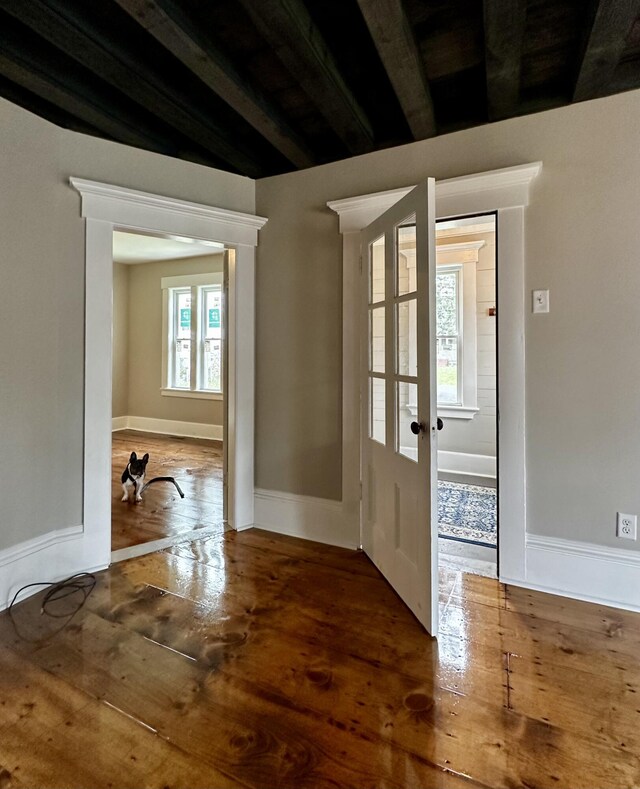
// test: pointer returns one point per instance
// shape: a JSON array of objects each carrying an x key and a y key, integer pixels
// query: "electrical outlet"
[{"x": 627, "y": 526}]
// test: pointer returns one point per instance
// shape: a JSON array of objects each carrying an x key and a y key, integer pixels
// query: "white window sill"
[
  {"x": 457, "y": 412},
  {"x": 197, "y": 395}
]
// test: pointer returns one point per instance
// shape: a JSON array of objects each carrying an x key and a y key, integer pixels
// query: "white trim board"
[
  {"x": 143, "y": 548},
  {"x": 106, "y": 207},
  {"x": 309, "y": 518},
  {"x": 47, "y": 558},
  {"x": 168, "y": 427},
  {"x": 582, "y": 570},
  {"x": 482, "y": 466}
]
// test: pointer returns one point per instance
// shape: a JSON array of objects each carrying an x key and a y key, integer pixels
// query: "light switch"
[{"x": 541, "y": 301}]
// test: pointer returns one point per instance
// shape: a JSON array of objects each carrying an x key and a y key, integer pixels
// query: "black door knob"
[
  {"x": 416, "y": 427},
  {"x": 440, "y": 424}
]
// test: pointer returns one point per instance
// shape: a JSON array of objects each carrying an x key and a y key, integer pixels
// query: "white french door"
[{"x": 398, "y": 397}]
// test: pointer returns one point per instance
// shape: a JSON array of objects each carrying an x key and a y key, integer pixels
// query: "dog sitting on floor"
[{"x": 133, "y": 476}]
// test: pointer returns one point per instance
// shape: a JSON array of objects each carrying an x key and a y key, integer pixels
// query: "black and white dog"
[{"x": 133, "y": 476}]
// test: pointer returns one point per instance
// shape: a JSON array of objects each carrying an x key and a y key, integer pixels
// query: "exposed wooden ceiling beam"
[
  {"x": 603, "y": 45},
  {"x": 396, "y": 45},
  {"x": 54, "y": 21},
  {"x": 292, "y": 34},
  {"x": 38, "y": 77},
  {"x": 504, "y": 26},
  {"x": 169, "y": 25}
]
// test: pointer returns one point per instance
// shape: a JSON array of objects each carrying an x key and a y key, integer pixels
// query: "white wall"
[
  {"x": 583, "y": 370},
  {"x": 42, "y": 303}
]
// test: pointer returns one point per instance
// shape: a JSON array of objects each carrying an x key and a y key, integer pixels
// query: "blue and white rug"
[{"x": 467, "y": 513}]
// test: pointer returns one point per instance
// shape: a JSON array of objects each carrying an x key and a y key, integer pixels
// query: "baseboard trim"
[
  {"x": 119, "y": 423},
  {"x": 468, "y": 465},
  {"x": 321, "y": 520},
  {"x": 168, "y": 427},
  {"x": 584, "y": 571},
  {"x": 41, "y": 558}
]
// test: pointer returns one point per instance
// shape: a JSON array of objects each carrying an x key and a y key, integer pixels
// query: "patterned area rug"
[{"x": 467, "y": 513}]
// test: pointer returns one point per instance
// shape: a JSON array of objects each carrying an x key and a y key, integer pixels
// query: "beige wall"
[
  {"x": 42, "y": 303},
  {"x": 583, "y": 370},
  {"x": 144, "y": 357},
  {"x": 120, "y": 360},
  {"x": 478, "y": 435}
]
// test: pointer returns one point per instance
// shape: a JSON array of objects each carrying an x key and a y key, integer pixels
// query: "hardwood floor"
[
  {"x": 197, "y": 466},
  {"x": 254, "y": 660}
]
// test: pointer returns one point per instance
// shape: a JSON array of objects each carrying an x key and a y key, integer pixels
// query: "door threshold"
[{"x": 143, "y": 548}]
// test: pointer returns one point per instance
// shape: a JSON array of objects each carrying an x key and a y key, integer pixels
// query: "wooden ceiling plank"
[
  {"x": 46, "y": 86},
  {"x": 289, "y": 30},
  {"x": 172, "y": 28},
  {"x": 504, "y": 28},
  {"x": 397, "y": 48},
  {"x": 603, "y": 46},
  {"x": 54, "y": 22}
]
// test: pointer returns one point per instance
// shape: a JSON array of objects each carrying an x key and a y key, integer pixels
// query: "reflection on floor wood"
[
  {"x": 197, "y": 466},
  {"x": 253, "y": 660}
]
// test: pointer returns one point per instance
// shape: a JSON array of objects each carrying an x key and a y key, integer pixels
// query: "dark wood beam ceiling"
[
  {"x": 57, "y": 23},
  {"x": 504, "y": 27},
  {"x": 603, "y": 45},
  {"x": 396, "y": 45},
  {"x": 296, "y": 40},
  {"x": 169, "y": 25},
  {"x": 260, "y": 87}
]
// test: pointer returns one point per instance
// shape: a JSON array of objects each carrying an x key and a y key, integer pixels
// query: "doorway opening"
[
  {"x": 466, "y": 377},
  {"x": 168, "y": 391}
]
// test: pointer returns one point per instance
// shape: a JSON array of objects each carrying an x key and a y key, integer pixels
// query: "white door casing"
[
  {"x": 399, "y": 471},
  {"x": 106, "y": 207},
  {"x": 506, "y": 192}
]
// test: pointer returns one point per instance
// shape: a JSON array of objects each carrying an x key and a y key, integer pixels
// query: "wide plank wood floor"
[
  {"x": 196, "y": 465},
  {"x": 254, "y": 660}
]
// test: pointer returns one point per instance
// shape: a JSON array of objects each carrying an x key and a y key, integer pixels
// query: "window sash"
[
  {"x": 199, "y": 342},
  {"x": 458, "y": 335}
]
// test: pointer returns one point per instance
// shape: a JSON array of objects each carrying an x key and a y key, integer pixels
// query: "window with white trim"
[
  {"x": 449, "y": 334},
  {"x": 457, "y": 329},
  {"x": 193, "y": 352}
]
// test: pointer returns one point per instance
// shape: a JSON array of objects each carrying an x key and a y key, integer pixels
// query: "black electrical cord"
[{"x": 59, "y": 590}]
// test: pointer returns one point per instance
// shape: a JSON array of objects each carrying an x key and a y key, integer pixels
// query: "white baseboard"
[
  {"x": 465, "y": 464},
  {"x": 47, "y": 558},
  {"x": 169, "y": 427},
  {"x": 584, "y": 571},
  {"x": 321, "y": 520}
]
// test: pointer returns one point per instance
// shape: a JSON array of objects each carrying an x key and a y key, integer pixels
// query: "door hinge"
[{"x": 360, "y": 490}]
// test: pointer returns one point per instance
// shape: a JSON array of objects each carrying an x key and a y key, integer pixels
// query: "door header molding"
[
  {"x": 507, "y": 187},
  {"x": 144, "y": 211}
]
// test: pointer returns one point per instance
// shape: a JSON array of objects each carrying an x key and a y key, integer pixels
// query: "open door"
[{"x": 398, "y": 396}]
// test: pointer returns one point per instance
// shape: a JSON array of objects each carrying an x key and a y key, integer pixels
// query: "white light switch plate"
[{"x": 540, "y": 301}]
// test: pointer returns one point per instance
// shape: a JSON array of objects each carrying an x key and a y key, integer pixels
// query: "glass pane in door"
[
  {"x": 406, "y": 280},
  {"x": 407, "y": 412},
  {"x": 376, "y": 271},
  {"x": 376, "y": 340},
  {"x": 377, "y": 404},
  {"x": 407, "y": 337}
]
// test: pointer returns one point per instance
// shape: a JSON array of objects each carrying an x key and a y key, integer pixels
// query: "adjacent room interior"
[
  {"x": 466, "y": 317},
  {"x": 168, "y": 390}
]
